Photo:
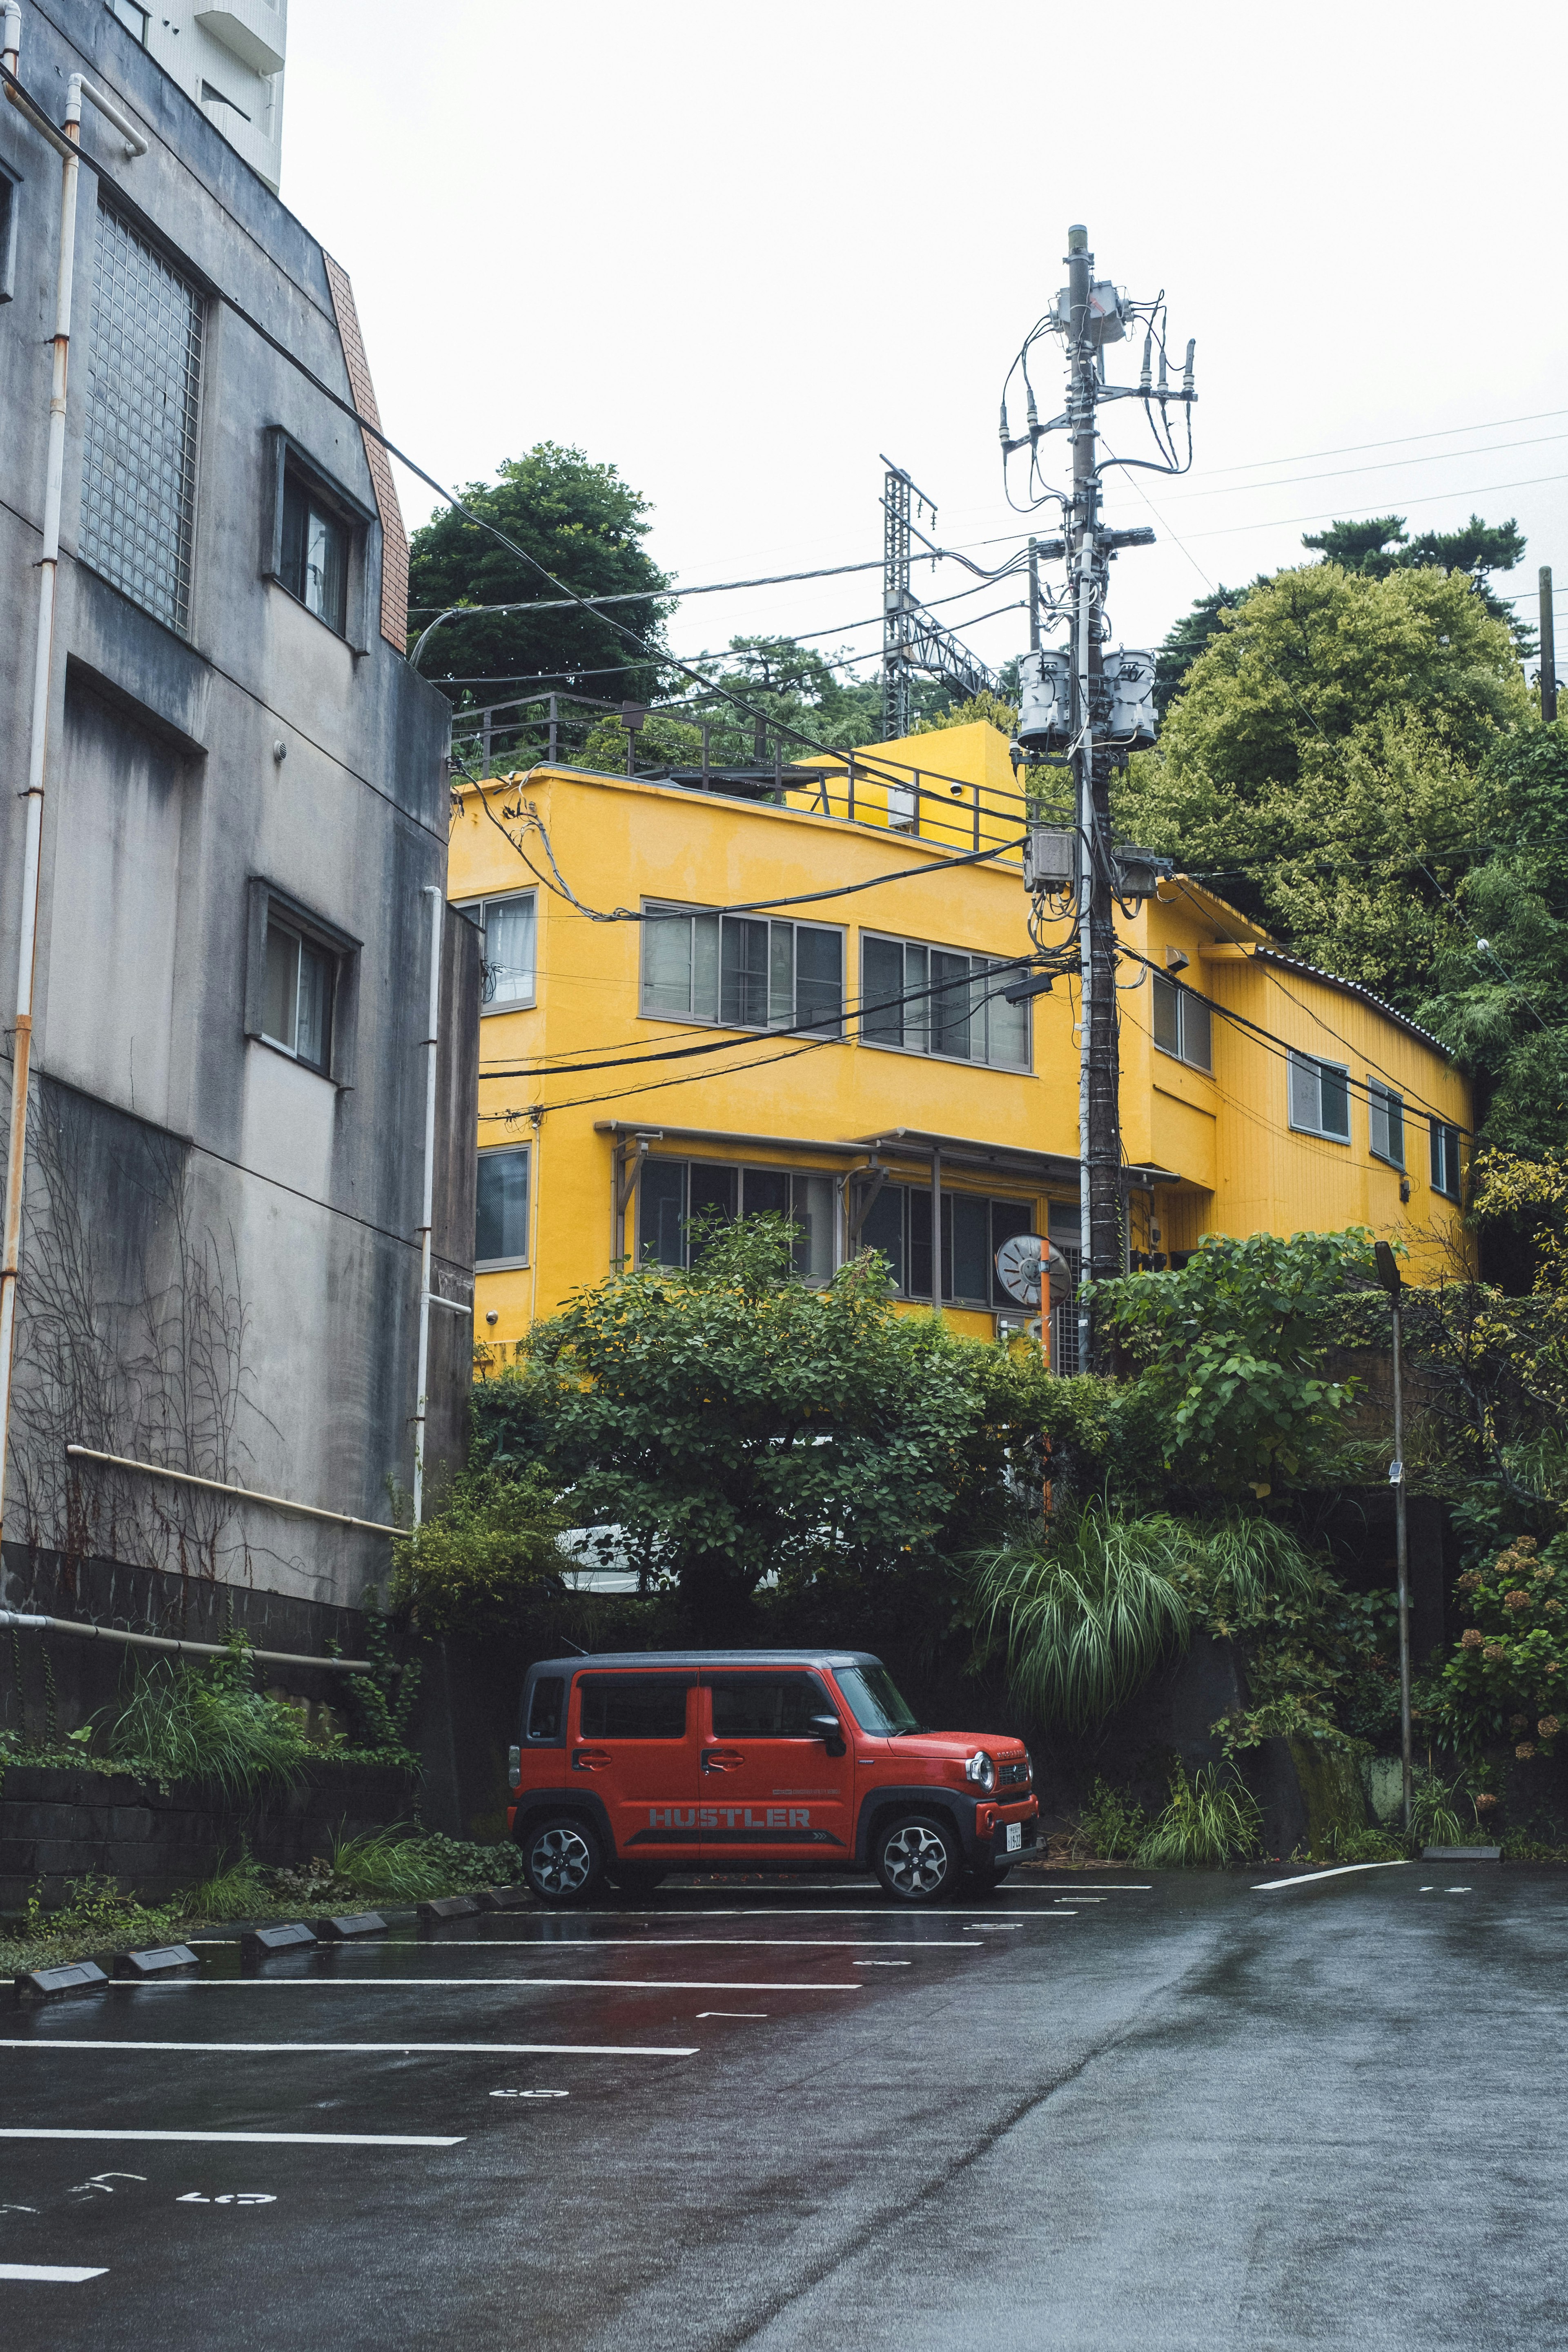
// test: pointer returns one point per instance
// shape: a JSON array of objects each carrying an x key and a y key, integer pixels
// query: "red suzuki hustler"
[{"x": 630, "y": 1766}]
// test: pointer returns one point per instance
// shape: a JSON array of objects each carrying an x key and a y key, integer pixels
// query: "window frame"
[
  {"x": 1183, "y": 997},
  {"x": 1315, "y": 1062},
  {"x": 113, "y": 8},
  {"x": 835, "y": 1030},
  {"x": 507, "y": 1264},
  {"x": 326, "y": 938},
  {"x": 740, "y": 1169},
  {"x": 11, "y": 201},
  {"x": 477, "y": 911},
  {"x": 1442, "y": 1133},
  {"x": 1382, "y": 1097},
  {"x": 996, "y": 1302},
  {"x": 927, "y": 1051},
  {"x": 285, "y": 458}
]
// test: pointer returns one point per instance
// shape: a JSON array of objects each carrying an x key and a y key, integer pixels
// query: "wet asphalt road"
[{"x": 1180, "y": 2113}]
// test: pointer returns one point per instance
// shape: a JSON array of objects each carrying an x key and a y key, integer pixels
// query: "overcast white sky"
[{"x": 740, "y": 250}]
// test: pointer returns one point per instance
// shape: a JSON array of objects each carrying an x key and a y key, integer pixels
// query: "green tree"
[
  {"x": 1322, "y": 758},
  {"x": 480, "y": 1557},
  {"x": 583, "y": 523},
  {"x": 727, "y": 1423},
  {"x": 1231, "y": 1349},
  {"x": 1381, "y": 544}
]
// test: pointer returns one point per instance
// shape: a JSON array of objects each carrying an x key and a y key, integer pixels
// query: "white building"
[{"x": 229, "y": 60}]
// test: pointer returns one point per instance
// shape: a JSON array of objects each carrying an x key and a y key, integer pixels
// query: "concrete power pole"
[{"x": 1548, "y": 649}]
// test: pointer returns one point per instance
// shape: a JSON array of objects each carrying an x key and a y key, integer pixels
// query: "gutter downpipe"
[
  {"x": 77, "y": 90},
  {"x": 427, "y": 1211}
]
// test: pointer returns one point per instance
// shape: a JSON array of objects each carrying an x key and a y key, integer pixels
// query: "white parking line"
[
  {"x": 473, "y": 1984},
  {"x": 250, "y": 2139},
  {"x": 674, "y": 1943},
  {"x": 377, "y": 2049},
  {"x": 1272, "y": 1885},
  {"x": 48, "y": 2273},
  {"x": 732, "y": 2012}
]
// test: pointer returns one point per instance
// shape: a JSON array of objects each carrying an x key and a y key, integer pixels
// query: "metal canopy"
[{"x": 958, "y": 1151}]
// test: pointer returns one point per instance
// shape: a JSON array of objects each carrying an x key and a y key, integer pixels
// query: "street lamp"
[{"x": 1388, "y": 1276}]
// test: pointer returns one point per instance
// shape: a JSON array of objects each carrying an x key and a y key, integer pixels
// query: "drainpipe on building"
[
  {"x": 427, "y": 1213},
  {"x": 78, "y": 89}
]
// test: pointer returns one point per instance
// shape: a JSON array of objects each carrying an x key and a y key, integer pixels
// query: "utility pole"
[
  {"x": 1548, "y": 650},
  {"x": 1073, "y": 701},
  {"x": 897, "y": 492},
  {"x": 1389, "y": 1276}
]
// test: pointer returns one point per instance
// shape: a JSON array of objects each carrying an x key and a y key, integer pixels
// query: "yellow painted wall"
[{"x": 618, "y": 842}]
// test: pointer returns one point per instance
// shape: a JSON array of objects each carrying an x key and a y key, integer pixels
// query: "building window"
[
  {"x": 501, "y": 1226},
  {"x": 672, "y": 1192},
  {"x": 1320, "y": 1097},
  {"x": 138, "y": 471},
  {"x": 297, "y": 1008},
  {"x": 1386, "y": 1123},
  {"x": 898, "y": 1224},
  {"x": 315, "y": 558},
  {"x": 1445, "y": 1159},
  {"x": 212, "y": 96},
  {"x": 742, "y": 972},
  {"x": 930, "y": 1000},
  {"x": 10, "y": 204},
  {"x": 508, "y": 926},
  {"x": 133, "y": 18},
  {"x": 1182, "y": 1023}
]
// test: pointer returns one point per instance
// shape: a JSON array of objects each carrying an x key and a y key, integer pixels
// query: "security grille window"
[
  {"x": 1320, "y": 1097},
  {"x": 500, "y": 1236},
  {"x": 315, "y": 557},
  {"x": 898, "y": 1224},
  {"x": 139, "y": 473},
  {"x": 672, "y": 1192},
  {"x": 510, "y": 927},
  {"x": 1386, "y": 1123},
  {"x": 1445, "y": 1159},
  {"x": 742, "y": 972},
  {"x": 1181, "y": 1023},
  {"x": 930, "y": 1000},
  {"x": 296, "y": 1011}
]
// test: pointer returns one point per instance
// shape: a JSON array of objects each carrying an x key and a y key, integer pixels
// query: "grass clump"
[
  {"x": 1209, "y": 1819},
  {"x": 1087, "y": 1619},
  {"x": 181, "y": 1722},
  {"x": 1110, "y": 1827}
]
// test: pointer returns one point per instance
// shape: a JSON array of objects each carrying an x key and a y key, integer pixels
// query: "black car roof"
[{"x": 598, "y": 1660}]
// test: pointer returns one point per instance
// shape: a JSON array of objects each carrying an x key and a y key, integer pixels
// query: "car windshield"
[{"x": 875, "y": 1700}]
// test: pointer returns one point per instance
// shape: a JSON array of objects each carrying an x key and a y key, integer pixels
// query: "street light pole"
[{"x": 1388, "y": 1276}]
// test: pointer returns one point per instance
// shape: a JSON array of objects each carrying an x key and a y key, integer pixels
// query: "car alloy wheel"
[
  {"x": 917, "y": 1861},
  {"x": 562, "y": 1861}
]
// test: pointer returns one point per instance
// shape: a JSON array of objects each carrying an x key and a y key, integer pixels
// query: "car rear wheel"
[
  {"x": 917, "y": 1858},
  {"x": 561, "y": 1860}
]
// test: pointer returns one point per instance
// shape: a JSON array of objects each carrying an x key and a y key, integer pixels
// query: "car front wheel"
[
  {"x": 917, "y": 1858},
  {"x": 561, "y": 1860}
]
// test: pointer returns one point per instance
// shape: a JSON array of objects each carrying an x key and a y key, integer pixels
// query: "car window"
[
  {"x": 544, "y": 1707},
  {"x": 633, "y": 1707},
  {"x": 875, "y": 1699},
  {"x": 768, "y": 1707}
]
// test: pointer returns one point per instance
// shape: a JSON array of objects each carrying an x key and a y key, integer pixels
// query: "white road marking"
[
  {"x": 674, "y": 1943},
  {"x": 732, "y": 2012},
  {"x": 475, "y": 1984},
  {"x": 48, "y": 2273},
  {"x": 1271, "y": 1885},
  {"x": 380, "y": 2048},
  {"x": 892, "y": 1964},
  {"x": 251, "y": 2139},
  {"x": 531, "y": 2094}
]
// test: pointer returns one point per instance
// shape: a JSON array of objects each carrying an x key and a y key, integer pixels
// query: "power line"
[
  {"x": 1388, "y": 464},
  {"x": 1394, "y": 441},
  {"x": 1435, "y": 497}
]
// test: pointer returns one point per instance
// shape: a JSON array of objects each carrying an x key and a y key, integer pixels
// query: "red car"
[{"x": 629, "y": 1767}]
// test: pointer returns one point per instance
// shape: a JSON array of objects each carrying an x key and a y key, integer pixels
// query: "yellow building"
[{"x": 851, "y": 1060}]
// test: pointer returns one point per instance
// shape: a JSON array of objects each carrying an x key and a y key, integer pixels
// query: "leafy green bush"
[
  {"x": 1508, "y": 1670},
  {"x": 405, "y": 1864},
  {"x": 1209, "y": 1819},
  {"x": 1086, "y": 1618},
  {"x": 1364, "y": 1846},
  {"x": 481, "y": 1552},
  {"x": 1112, "y": 1826}
]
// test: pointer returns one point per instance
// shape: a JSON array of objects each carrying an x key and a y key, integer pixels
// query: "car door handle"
[
  {"x": 589, "y": 1759},
  {"x": 721, "y": 1760}
]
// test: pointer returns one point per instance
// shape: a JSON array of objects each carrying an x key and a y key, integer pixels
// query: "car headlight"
[
  {"x": 982, "y": 1770},
  {"x": 1028, "y": 1767}
]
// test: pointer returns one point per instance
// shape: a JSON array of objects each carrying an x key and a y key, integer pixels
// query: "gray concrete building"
[{"x": 244, "y": 816}]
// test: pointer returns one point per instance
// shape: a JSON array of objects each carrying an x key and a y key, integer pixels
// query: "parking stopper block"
[
  {"x": 257, "y": 1942},
  {"x": 350, "y": 1923},
  {"x": 503, "y": 1898},
  {"x": 47, "y": 1984},
  {"x": 448, "y": 1906},
  {"x": 161, "y": 1960}
]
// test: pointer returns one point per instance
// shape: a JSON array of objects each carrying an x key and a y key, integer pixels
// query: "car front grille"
[{"x": 1013, "y": 1776}]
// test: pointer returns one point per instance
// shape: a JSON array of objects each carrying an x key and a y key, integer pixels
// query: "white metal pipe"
[
  {"x": 21, "y": 1621},
  {"x": 241, "y": 1494},
  {"x": 427, "y": 1209},
  {"x": 11, "y": 42},
  {"x": 77, "y": 88},
  {"x": 38, "y": 755}
]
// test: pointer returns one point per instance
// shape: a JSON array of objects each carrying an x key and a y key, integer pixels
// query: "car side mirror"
[{"x": 828, "y": 1728}]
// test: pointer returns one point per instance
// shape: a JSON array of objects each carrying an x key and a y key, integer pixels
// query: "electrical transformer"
[
  {"x": 1049, "y": 851},
  {"x": 1130, "y": 676},
  {"x": 1044, "y": 701}
]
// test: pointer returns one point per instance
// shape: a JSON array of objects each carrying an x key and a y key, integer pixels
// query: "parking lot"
[{"x": 1115, "y": 2111}]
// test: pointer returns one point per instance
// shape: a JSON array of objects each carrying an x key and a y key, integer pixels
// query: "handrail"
[
  {"x": 18, "y": 1620},
  {"x": 241, "y": 1494}
]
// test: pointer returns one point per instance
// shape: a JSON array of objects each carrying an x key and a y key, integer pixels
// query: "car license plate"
[{"x": 1015, "y": 1837}]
